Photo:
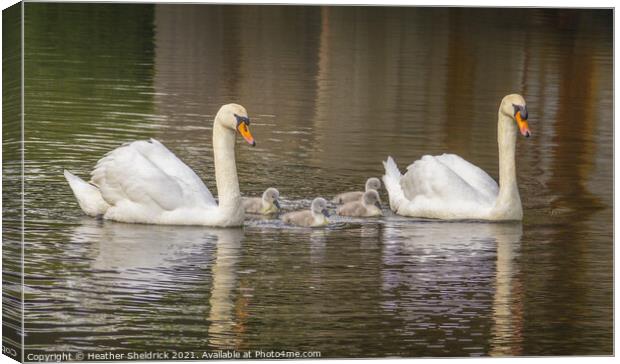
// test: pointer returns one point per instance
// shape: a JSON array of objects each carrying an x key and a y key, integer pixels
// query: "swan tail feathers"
[
  {"x": 88, "y": 196},
  {"x": 391, "y": 180}
]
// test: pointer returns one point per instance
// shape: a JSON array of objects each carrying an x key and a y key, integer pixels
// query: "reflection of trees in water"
[
  {"x": 576, "y": 124},
  {"x": 259, "y": 56},
  {"x": 370, "y": 69},
  {"x": 361, "y": 69},
  {"x": 576, "y": 96}
]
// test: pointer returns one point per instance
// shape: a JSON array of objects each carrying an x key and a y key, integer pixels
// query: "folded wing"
[
  {"x": 449, "y": 179},
  {"x": 147, "y": 173}
]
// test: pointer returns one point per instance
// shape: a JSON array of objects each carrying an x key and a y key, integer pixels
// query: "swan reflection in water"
[
  {"x": 156, "y": 267},
  {"x": 223, "y": 310},
  {"x": 444, "y": 278},
  {"x": 440, "y": 279}
]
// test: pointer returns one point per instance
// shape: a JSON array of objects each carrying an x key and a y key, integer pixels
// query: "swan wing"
[
  {"x": 472, "y": 174},
  {"x": 170, "y": 164},
  {"x": 147, "y": 173},
  {"x": 429, "y": 179}
]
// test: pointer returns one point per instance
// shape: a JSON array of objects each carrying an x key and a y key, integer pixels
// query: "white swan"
[
  {"x": 448, "y": 187},
  {"x": 143, "y": 182}
]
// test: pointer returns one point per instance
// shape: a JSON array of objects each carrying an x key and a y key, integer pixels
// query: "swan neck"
[
  {"x": 508, "y": 197},
  {"x": 225, "y": 168}
]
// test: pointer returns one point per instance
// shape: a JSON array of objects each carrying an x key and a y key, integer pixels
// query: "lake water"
[{"x": 331, "y": 91}]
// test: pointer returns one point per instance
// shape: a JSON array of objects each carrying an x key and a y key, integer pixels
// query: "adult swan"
[
  {"x": 143, "y": 182},
  {"x": 450, "y": 188}
]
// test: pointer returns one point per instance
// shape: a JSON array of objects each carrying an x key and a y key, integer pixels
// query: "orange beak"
[
  {"x": 523, "y": 127},
  {"x": 244, "y": 130}
]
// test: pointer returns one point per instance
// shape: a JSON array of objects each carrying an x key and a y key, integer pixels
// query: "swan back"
[{"x": 477, "y": 178}]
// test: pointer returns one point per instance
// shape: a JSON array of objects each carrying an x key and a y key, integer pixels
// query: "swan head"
[
  {"x": 271, "y": 199},
  {"x": 319, "y": 207},
  {"x": 371, "y": 198},
  {"x": 514, "y": 106},
  {"x": 235, "y": 118},
  {"x": 373, "y": 183}
]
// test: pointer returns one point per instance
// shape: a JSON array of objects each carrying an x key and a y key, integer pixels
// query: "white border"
[{"x": 477, "y": 3}]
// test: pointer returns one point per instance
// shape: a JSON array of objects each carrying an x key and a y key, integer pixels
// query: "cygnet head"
[
  {"x": 235, "y": 117},
  {"x": 371, "y": 198},
  {"x": 514, "y": 106},
  {"x": 271, "y": 197},
  {"x": 373, "y": 183},
  {"x": 319, "y": 206}
]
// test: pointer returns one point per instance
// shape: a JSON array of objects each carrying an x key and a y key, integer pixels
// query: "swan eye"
[
  {"x": 242, "y": 126},
  {"x": 242, "y": 119},
  {"x": 522, "y": 109}
]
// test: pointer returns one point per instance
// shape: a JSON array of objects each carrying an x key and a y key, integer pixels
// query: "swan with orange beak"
[
  {"x": 450, "y": 188},
  {"x": 144, "y": 182}
]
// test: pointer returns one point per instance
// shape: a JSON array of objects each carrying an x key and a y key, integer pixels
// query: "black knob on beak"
[{"x": 521, "y": 109}]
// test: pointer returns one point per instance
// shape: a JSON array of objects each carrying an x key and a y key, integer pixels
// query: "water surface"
[{"x": 332, "y": 91}]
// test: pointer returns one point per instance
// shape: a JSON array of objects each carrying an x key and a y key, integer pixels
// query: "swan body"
[
  {"x": 317, "y": 215},
  {"x": 372, "y": 183},
  {"x": 368, "y": 206},
  {"x": 266, "y": 204},
  {"x": 450, "y": 188},
  {"x": 144, "y": 182}
]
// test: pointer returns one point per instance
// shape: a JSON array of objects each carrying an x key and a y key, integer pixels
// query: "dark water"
[{"x": 331, "y": 93}]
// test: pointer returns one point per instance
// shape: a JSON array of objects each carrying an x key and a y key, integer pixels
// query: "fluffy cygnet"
[
  {"x": 369, "y": 206},
  {"x": 371, "y": 184},
  {"x": 316, "y": 216},
  {"x": 265, "y": 205}
]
